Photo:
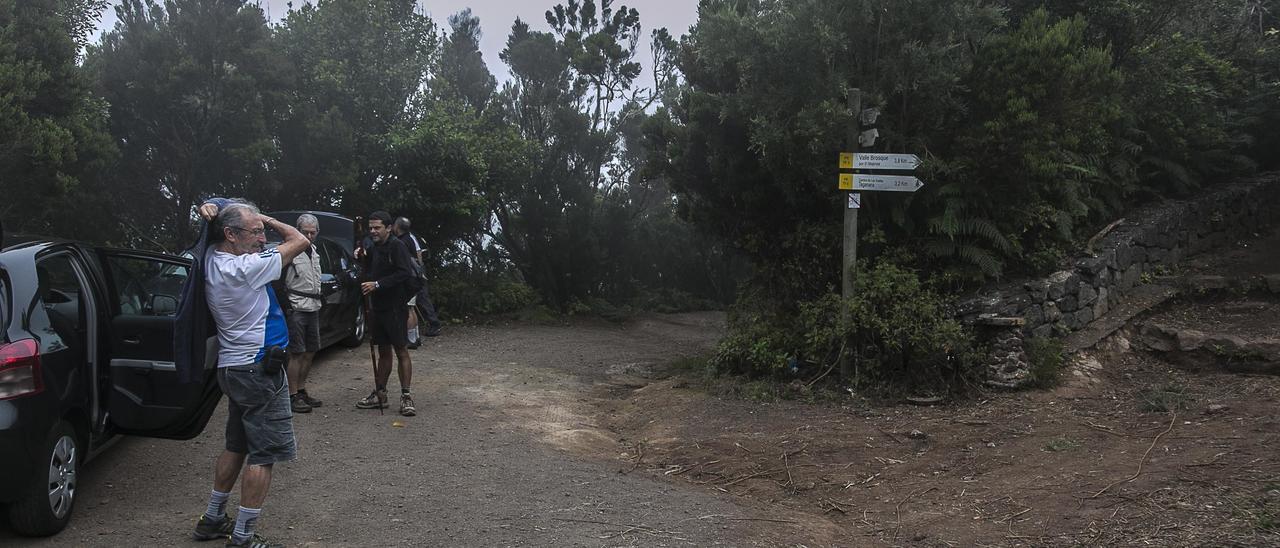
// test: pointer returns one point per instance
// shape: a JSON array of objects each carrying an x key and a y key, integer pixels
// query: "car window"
[
  {"x": 62, "y": 297},
  {"x": 325, "y": 247},
  {"x": 146, "y": 287}
]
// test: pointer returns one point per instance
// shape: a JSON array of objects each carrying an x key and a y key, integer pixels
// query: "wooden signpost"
[{"x": 854, "y": 160}]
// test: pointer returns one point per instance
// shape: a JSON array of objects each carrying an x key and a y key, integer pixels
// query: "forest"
[{"x": 572, "y": 187}]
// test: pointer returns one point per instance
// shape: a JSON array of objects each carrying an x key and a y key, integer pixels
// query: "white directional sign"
[
  {"x": 894, "y": 183},
  {"x": 875, "y": 160}
]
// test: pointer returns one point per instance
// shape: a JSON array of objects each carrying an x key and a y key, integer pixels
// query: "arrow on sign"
[
  {"x": 893, "y": 183},
  {"x": 874, "y": 160}
]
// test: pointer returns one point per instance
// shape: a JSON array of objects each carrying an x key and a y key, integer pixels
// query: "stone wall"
[{"x": 1150, "y": 242}]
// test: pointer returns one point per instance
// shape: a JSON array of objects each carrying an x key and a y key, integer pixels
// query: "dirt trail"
[
  {"x": 575, "y": 435},
  {"x": 494, "y": 457}
]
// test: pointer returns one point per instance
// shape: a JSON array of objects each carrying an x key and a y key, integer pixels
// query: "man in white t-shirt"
[{"x": 251, "y": 338}]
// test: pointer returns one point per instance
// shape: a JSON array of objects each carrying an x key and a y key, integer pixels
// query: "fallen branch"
[
  {"x": 735, "y": 518},
  {"x": 639, "y": 457},
  {"x": 897, "y": 510},
  {"x": 829, "y": 368},
  {"x": 755, "y": 475},
  {"x": 891, "y": 436},
  {"x": 628, "y": 527},
  {"x": 1011, "y": 516},
  {"x": 1088, "y": 247},
  {"x": 1140, "y": 462}
]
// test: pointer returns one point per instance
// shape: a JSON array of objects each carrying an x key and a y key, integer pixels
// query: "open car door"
[{"x": 145, "y": 395}]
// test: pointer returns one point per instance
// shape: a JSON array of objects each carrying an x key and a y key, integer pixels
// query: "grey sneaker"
[
  {"x": 406, "y": 406},
  {"x": 375, "y": 400},
  {"x": 207, "y": 529},
  {"x": 255, "y": 541}
]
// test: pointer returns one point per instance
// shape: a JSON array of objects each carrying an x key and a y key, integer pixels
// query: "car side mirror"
[{"x": 164, "y": 305}]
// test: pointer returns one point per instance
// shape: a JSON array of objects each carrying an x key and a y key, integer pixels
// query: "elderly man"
[
  {"x": 251, "y": 333},
  {"x": 302, "y": 283}
]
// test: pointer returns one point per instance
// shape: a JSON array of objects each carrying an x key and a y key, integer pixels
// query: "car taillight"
[{"x": 20, "y": 369}]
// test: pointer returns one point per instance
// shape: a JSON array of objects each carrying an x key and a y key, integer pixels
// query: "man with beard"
[{"x": 390, "y": 285}]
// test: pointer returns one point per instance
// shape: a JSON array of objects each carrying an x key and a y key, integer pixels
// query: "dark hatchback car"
[
  {"x": 86, "y": 353},
  {"x": 342, "y": 310}
]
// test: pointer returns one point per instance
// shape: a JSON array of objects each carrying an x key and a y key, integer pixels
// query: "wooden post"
[{"x": 850, "y": 232}]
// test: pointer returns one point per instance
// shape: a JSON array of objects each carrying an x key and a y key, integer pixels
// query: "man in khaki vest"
[{"x": 302, "y": 283}]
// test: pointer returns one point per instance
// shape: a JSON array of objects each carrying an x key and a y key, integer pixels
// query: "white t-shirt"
[{"x": 249, "y": 319}]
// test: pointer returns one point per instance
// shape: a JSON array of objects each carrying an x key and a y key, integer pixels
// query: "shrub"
[
  {"x": 1045, "y": 355},
  {"x": 458, "y": 294},
  {"x": 899, "y": 331}
]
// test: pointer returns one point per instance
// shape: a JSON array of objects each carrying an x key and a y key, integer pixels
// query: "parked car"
[
  {"x": 342, "y": 309},
  {"x": 86, "y": 354}
]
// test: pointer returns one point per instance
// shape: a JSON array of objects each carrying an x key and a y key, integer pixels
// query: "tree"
[
  {"x": 192, "y": 86},
  {"x": 360, "y": 65},
  {"x": 750, "y": 144},
  {"x": 52, "y": 130},
  {"x": 563, "y": 102},
  {"x": 462, "y": 74}
]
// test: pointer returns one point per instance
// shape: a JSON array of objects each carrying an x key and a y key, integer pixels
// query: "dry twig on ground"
[{"x": 1141, "y": 462}]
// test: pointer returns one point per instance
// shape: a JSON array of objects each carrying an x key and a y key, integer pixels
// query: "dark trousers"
[{"x": 426, "y": 309}]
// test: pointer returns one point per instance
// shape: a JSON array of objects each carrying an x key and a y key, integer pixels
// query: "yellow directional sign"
[
  {"x": 846, "y": 160},
  {"x": 846, "y": 181}
]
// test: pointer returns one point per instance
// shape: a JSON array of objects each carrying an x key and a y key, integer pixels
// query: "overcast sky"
[{"x": 496, "y": 17}]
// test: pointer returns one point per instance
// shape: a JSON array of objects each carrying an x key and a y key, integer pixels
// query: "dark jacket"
[
  {"x": 390, "y": 266},
  {"x": 193, "y": 324}
]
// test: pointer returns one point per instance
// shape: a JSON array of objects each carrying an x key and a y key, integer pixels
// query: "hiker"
[
  {"x": 237, "y": 273},
  {"x": 390, "y": 282},
  {"x": 302, "y": 284},
  {"x": 422, "y": 300}
]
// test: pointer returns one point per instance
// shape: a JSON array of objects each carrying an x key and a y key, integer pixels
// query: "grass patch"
[
  {"x": 1058, "y": 445},
  {"x": 1163, "y": 399}
]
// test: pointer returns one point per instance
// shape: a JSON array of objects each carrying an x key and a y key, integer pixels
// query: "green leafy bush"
[
  {"x": 1045, "y": 355},
  {"x": 899, "y": 330},
  {"x": 459, "y": 294}
]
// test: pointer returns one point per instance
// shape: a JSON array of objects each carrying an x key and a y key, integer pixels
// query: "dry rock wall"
[{"x": 1147, "y": 244}]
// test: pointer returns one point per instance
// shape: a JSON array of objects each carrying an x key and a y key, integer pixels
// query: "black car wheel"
[
  {"x": 47, "y": 507},
  {"x": 357, "y": 331}
]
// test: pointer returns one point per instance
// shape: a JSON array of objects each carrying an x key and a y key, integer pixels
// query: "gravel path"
[{"x": 491, "y": 459}]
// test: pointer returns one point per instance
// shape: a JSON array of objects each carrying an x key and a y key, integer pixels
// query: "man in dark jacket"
[{"x": 389, "y": 287}]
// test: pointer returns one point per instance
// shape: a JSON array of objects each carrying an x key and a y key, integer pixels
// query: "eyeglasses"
[{"x": 255, "y": 232}]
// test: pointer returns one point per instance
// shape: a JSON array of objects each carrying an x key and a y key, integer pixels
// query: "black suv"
[{"x": 86, "y": 353}]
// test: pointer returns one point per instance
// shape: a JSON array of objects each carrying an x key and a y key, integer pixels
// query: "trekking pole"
[{"x": 373, "y": 355}]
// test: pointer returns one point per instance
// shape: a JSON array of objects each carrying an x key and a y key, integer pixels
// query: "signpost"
[
  {"x": 891, "y": 183},
  {"x": 875, "y": 160},
  {"x": 855, "y": 136}
]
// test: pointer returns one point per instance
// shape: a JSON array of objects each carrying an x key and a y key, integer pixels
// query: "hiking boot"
[
  {"x": 310, "y": 400},
  {"x": 299, "y": 404},
  {"x": 255, "y": 541},
  {"x": 375, "y": 400},
  {"x": 208, "y": 529},
  {"x": 433, "y": 332},
  {"x": 406, "y": 406}
]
